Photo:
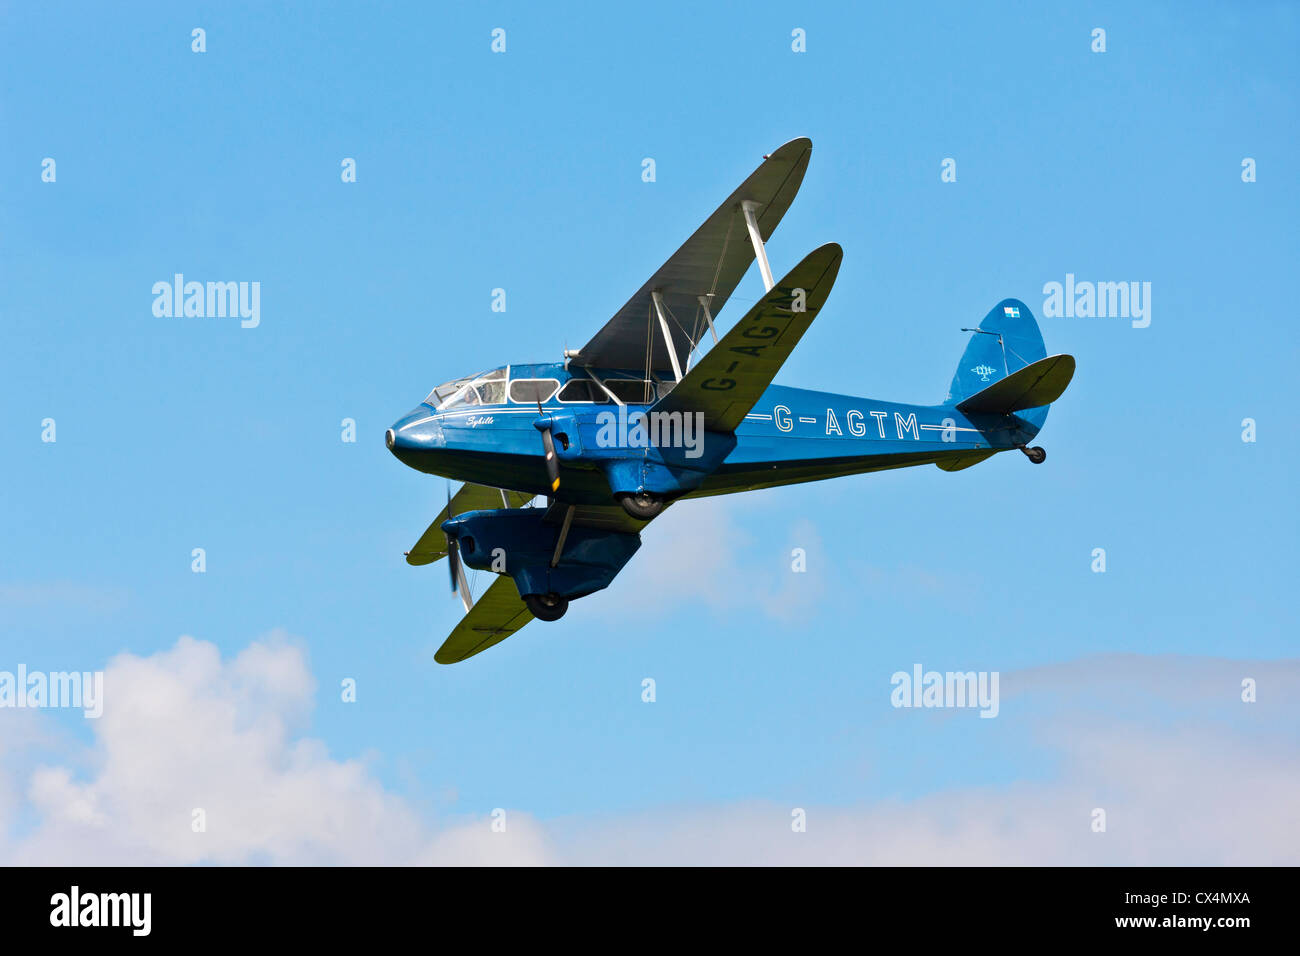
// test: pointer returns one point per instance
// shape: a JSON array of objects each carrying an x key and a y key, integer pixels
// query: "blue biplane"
[{"x": 659, "y": 407}]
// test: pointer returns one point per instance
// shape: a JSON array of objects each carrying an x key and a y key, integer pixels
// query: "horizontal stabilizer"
[
  {"x": 494, "y": 617},
  {"x": 1037, "y": 384}
]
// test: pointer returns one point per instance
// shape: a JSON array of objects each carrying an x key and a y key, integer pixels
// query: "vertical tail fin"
[{"x": 1007, "y": 340}]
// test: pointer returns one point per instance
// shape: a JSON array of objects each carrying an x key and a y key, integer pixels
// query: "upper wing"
[
  {"x": 733, "y": 375},
  {"x": 710, "y": 263},
  {"x": 497, "y": 614},
  {"x": 433, "y": 543}
]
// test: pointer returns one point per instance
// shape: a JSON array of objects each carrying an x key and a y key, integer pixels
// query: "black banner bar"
[{"x": 212, "y": 904}]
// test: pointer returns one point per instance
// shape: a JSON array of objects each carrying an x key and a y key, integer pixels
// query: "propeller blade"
[
  {"x": 453, "y": 561},
  {"x": 459, "y": 585},
  {"x": 453, "y": 551},
  {"x": 552, "y": 462}
]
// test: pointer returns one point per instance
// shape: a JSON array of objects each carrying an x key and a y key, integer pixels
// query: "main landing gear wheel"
[
  {"x": 1037, "y": 454},
  {"x": 641, "y": 506},
  {"x": 546, "y": 607}
]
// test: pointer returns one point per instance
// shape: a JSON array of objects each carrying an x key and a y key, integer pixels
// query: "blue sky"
[{"x": 522, "y": 171}]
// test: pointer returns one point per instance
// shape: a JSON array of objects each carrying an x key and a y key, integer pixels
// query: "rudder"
[{"x": 1007, "y": 340}]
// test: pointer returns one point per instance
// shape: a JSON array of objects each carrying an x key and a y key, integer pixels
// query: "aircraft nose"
[{"x": 414, "y": 435}]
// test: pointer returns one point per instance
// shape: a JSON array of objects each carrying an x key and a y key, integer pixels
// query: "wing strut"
[
  {"x": 658, "y": 299},
  {"x": 466, "y": 598},
  {"x": 760, "y": 251},
  {"x": 703, "y": 300},
  {"x": 564, "y": 534},
  {"x": 708, "y": 317}
]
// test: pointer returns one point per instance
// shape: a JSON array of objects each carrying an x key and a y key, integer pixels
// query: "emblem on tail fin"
[{"x": 983, "y": 371}]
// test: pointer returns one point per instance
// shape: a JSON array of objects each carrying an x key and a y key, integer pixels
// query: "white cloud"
[
  {"x": 1170, "y": 799},
  {"x": 702, "y": 555},
  {"x": 184, "y": 729}
]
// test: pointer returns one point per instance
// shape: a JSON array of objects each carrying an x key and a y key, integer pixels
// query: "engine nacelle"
[{"x": 518, "y": 542}]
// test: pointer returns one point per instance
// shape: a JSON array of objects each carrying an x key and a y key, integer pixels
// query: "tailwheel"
[
  {"x": 546, "y": 607},
  {"x": 642, "y": 505},
  {"x": 1037, "y": 454}
]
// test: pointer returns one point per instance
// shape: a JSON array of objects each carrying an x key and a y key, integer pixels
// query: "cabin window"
[
  {"x": 492, "y": 393},
  {"x": 445, "y": 391},
  {"x": 530, "y": 391},
  {"x": 631, "y": 392},
  {"x": 485, "y": 388},
  {"x": 581, "y": 390}
]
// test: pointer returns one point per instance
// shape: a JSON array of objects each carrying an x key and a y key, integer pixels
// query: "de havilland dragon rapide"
[{"x": 663, "y": 406}]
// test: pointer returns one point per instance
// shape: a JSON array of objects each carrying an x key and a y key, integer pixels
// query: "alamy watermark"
[
  {"x": 211, "y": 300},
  {"x": 132, "y": 911},
  {"x": 37, "y": 689},
  {"x": 646, "y": 429},
  {"x": 1102, "y": 300},
  {"x": 946, "y": 689}
]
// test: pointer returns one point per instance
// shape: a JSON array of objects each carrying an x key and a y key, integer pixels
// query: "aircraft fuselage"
[{"x": 791, "y": 435}]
